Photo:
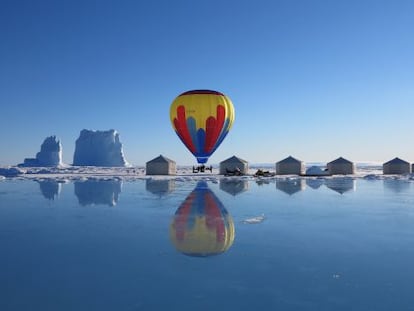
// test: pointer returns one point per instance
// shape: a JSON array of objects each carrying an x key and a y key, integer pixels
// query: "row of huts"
[
  {"x": 289, "y": 166},
  {"x": 163, "y": 166}
]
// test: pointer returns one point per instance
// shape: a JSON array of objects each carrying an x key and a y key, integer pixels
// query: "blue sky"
[{"x": 311, "y": 79}]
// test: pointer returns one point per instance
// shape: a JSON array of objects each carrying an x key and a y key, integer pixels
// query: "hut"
[
  {"x": 341, "y": 166},
  {"x": 161, "y": 166},
  {"x": 232, "y": 165},
  {"x": 396, "y": 166},
  {"x": 290, "y": 166}
]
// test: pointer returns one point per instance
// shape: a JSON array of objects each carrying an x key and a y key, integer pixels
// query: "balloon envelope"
[
  {"x": 202, "y": 226},
  {"x": 202, "y": 119}
]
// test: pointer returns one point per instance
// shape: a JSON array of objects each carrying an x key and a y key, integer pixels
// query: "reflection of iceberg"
[
  {"x": 50, "y": 188},
  {"x": 234, "y": 186},
  {"x": 341, "y": 185},
  {"x": 290, "y": 186},
  {"x": 314, "y": 183},
  {"x": 201, "y": 225},
  {"x": 160, "y": 187},
  {"x": 396, "y": 185},
  {"x": 98, "y": 192}
]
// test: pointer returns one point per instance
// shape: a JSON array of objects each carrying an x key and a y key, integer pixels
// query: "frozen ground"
[{"x": 184, "y": 173}]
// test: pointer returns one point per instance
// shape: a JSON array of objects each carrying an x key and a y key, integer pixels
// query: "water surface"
[{"x": 334, "y": 244}]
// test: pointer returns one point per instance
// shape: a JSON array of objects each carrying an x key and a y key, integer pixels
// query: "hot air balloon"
[
  {"x": 202, "y": 226},
  {"x": 202, "y": 119}
]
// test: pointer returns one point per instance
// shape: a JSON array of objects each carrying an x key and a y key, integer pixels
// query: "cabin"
[
  {"x": 161, "y": 166},
  {"x": 290, "y": 166},
  {"x": 341, "y": 166},
  {"x": 396, "y": 166},
  {"x": 234, "y": 166}
]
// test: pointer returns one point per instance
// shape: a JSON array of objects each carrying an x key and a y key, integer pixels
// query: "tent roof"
[
  {"x": 340, "y": 160},
  {"x": 234, "y": 159},
  {"x": 396, "y": 161},
  {"x": 161, "y": 159},
  {"x": 289, "y": 160}
]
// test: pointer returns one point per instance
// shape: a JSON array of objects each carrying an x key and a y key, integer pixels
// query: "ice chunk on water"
[{"x": 254, "y": 220}]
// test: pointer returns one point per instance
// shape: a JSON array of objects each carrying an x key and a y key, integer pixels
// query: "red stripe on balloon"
[
  {"x": 214, "y": 218},
  {"x": 180, "y": 124},
  {"x": 213, "y": 128}
]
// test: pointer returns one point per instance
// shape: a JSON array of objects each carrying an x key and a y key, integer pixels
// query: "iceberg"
[
  {"x": 99, "y": 148},
  {"x": 50, "y": 154}
]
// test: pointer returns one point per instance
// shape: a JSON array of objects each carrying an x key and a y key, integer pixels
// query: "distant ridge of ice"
[{"x": 184, "y": 174}]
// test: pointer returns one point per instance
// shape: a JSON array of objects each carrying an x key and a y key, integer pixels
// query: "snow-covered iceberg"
[
  {"x": 99, "y": 148},
  {"x": 50, "y": 154}
]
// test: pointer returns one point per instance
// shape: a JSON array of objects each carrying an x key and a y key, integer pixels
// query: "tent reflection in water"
[
  {"x": 290, "y": 186},
  {"x": 233, "y": 186},
  {"x": 341, "y": 185},
  {"x": 160, "y": 187},
  {"x": 202, "y": 226}
]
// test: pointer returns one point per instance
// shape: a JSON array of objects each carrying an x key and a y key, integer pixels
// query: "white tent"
[
  {"x": 232, "y": 165},
  {"x": 161, "y": 166},
  {"x": 396, "y": 166},
  {"x": 290, "y": 165},
  {"x": 341, "y": 166}
]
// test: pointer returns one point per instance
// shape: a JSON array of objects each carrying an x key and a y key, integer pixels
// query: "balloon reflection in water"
[{"x": 202, "y": 226}]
